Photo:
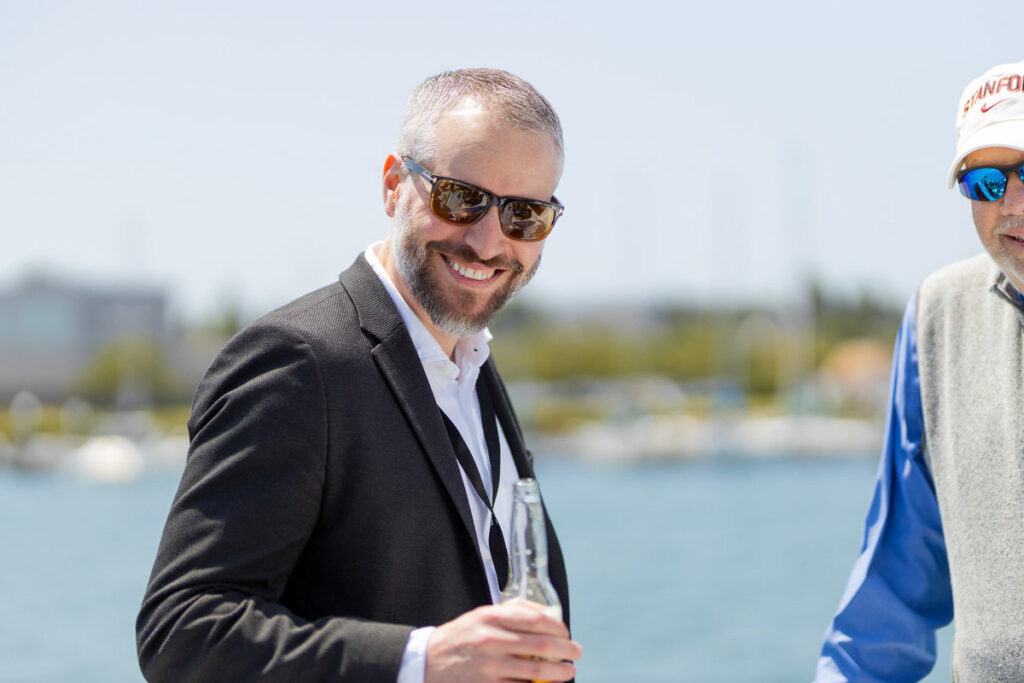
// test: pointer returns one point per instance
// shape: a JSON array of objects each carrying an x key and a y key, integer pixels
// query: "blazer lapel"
[
  {"x": 396, "y": 357},
  {"x": 399, "y": 364}
]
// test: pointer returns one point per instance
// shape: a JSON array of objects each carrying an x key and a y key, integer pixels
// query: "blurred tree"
[
  {"x": 227, "y": 320},
  {"x": 688, "y": 343},
  {"x": 129, "y": 374}
]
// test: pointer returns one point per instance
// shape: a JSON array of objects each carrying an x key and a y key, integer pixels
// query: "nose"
[
  {"x": 1013, "y": 197},
  {"x": 485, "y": 236}
]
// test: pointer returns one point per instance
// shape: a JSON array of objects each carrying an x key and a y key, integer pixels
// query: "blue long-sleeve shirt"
[{"x": 899, "y": 592}]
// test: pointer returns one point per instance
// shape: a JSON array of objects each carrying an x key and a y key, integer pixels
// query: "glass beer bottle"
[{"x": 528, "y": 561}]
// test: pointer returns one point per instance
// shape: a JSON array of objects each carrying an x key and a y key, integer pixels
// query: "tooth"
[{"x": 469, "y": 272}]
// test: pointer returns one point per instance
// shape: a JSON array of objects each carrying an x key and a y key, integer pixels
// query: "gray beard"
[{"x": 451, "y": 317}]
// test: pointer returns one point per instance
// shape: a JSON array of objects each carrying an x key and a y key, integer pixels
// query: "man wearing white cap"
[{"x": 945, "y": 531}]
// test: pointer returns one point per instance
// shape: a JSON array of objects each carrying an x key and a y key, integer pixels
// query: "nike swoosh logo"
[{"x": 986, "y": 107}]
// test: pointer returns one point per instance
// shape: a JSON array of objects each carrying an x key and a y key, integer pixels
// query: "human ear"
[{"x": 392, "y": 179}]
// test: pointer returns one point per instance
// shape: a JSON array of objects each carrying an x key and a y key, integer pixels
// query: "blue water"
[{"x": 691, "y": 572}]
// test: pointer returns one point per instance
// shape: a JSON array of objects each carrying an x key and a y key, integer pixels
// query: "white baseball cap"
[{"x": 991, "y": 113}]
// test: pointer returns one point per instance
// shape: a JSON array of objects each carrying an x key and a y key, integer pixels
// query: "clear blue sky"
[{"x": 716, "y": 150}]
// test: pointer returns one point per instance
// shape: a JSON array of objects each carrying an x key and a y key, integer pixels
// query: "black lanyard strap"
[{"x": 496, "y": 540}]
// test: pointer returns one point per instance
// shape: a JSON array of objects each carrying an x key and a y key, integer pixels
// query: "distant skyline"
[{"x": 231, "y": 152}]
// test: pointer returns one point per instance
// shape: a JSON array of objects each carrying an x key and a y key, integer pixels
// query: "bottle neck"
[
  {"x": 528, "y": 578},
  {"x": 529, "y": 545}
]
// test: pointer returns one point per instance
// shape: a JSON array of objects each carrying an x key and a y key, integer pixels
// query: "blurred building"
[
  {"x": 854, "y": 376},
  {"x": 51, "y": 330}
]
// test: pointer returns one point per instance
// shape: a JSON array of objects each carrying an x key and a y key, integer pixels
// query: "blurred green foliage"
[
  {"x": 129, "y": 373},
  {"x": 168, "y": 419},
  {"x": 49, "y": 421},
  {"x": 757, "y": 350},
  {"x": 755, "y": 347}
]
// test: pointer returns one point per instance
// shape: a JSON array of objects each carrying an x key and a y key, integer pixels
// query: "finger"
[
  {"x": 518, "y": 617},
  {"x": 520, "y": 669},
  {"x": 546, "y": 647}
]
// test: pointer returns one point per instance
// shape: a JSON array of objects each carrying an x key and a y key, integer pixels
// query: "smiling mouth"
[{"x": 470, "y": 273}]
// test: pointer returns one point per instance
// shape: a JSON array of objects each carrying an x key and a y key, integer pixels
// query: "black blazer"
[{"x": 321, "y": 515}]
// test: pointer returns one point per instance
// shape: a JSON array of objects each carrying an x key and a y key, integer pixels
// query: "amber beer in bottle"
[{"x": 528, "y": 561}]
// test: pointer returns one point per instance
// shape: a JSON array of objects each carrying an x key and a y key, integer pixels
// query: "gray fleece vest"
[{"x": 969, "y": 342}]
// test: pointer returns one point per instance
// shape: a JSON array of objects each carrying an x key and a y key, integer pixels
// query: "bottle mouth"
[{"x": 527, "y": 490}]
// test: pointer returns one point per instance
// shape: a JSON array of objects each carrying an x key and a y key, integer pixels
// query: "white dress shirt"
[{"x": 454, "y": 388}]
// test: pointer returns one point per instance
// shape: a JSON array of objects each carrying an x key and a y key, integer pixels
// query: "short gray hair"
[{"x": 507, "y": 97}]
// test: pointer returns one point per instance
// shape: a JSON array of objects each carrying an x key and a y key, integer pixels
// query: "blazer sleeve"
[{"x": 249, "y": 500}]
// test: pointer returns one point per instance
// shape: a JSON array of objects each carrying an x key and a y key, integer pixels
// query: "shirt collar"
[
  {"x": 470, "y": 352},
  {"x": 1004, "y": 288}
]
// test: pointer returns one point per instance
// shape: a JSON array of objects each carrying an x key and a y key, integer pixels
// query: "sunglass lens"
[
  {"x": 458, "y": 203},
  {"x": 527, "y": 220},
  {"x": 983, "y": 184}
]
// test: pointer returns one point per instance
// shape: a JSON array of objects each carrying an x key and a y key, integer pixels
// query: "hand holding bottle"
[
  {"x": 499, "y": 643},
  {"x": 521, "y": 639},
  {"x": 528, "y": 581}
]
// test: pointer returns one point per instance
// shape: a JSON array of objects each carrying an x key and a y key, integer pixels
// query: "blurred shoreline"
[
  {"x": 122, "y": 447},
  {"x": 684, "y": 437},
  {"x": 127, "y": 445},
  {"x": 98, "y": 380}
]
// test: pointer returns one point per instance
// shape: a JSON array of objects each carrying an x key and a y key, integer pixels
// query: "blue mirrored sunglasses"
[{"x": 988, "y": 183}]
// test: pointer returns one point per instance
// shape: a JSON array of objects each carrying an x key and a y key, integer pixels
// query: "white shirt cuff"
[{"x": 414, "y": 659}]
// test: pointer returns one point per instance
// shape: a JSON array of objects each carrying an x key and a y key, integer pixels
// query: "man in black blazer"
[{"x": 324, "y": 528}]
